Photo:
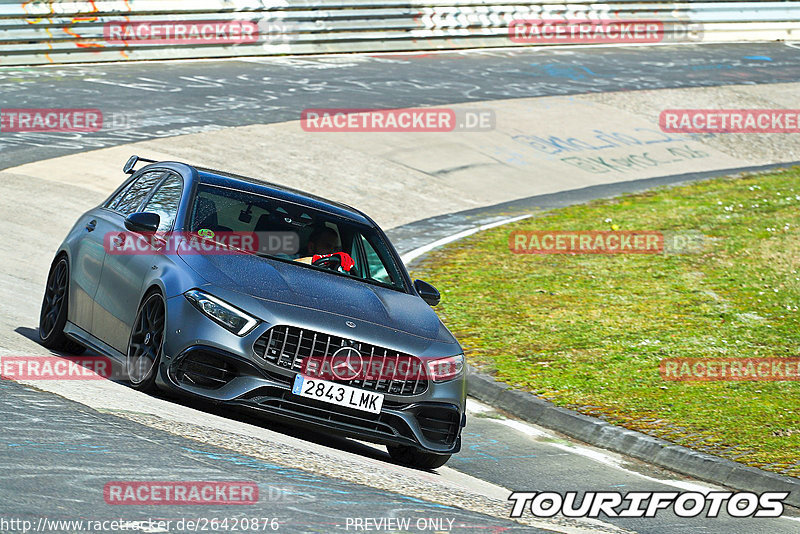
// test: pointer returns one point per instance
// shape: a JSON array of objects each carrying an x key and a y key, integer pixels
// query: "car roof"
[{"x": 261, "y": 187}]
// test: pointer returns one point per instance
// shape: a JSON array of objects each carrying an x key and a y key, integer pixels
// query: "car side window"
[
  {"x": 375, "y": 267},
  {"x": 137, "y": 192},
  {"x": 165, "y": 202}
]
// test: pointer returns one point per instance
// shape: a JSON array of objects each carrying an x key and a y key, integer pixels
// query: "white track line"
[{"x": 416, "y": 253}]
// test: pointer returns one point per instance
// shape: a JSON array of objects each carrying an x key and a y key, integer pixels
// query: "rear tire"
[
  {"x": 53, "y": 316},
  {"x": 417, "y": 458}
]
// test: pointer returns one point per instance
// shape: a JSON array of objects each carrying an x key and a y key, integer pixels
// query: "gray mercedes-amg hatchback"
[{"x": 257, "y": 296}]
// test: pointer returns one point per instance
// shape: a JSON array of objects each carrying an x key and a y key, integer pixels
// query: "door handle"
[
  {"x": 119, "y": 239},
  {"x": 91, "y": 225}
]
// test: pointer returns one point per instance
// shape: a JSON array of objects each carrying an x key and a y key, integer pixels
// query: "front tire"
[
  {"x": 417, "y": 458},
  {"x": 53, "y": 316},
  {"x": 146, "y": 343}
]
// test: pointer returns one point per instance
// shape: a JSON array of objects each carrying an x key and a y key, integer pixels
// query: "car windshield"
[{"x": 294, "y": 233}]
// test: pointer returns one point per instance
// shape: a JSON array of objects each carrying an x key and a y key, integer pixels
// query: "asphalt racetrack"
[{"x": 149, "y": 100}]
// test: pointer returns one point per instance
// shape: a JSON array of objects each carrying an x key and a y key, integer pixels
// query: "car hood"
[{"x": 296, "y": 285}]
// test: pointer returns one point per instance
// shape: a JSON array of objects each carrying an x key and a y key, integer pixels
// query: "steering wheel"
[{"x": 329, "y": 262}]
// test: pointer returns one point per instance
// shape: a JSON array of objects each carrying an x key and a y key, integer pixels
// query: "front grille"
[{"x": 289, "y": 347}]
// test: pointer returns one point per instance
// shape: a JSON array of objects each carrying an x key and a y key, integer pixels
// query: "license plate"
[{"x": 337, "y": 394}]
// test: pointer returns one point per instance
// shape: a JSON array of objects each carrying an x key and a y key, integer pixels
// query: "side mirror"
[
  {"x": 142, "y": 222},
  {"x": 428, "y": 293}
]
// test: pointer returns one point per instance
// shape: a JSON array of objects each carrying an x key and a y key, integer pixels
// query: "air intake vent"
[
  {"x": 205, "y": 370},
  {"x": 439, "y": 425}
]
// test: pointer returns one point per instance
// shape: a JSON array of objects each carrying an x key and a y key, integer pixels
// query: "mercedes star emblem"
[{"x": 346, "y": 363}]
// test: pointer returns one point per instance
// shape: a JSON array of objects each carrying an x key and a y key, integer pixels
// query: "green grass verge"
[{"x": 588, "y": 331}]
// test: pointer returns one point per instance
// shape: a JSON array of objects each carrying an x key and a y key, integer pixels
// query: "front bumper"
[{"x": 204, "y": 360}]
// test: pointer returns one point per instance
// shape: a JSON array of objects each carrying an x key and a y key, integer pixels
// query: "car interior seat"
[{"x": 206, "y": 213}]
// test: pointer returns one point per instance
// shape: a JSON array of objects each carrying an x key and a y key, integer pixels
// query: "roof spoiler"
[{"x": 129, "y": 166}]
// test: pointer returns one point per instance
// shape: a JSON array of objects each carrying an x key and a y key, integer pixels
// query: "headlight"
[
  {"x": 229, "y": 317},
  {"x": 446, "y": 368}
]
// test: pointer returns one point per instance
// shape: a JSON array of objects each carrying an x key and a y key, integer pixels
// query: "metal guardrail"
[{"x": 60, "y": 31}]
